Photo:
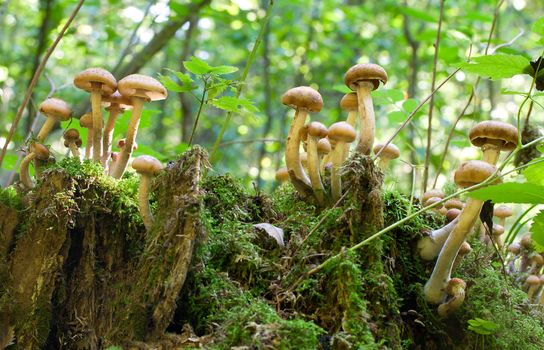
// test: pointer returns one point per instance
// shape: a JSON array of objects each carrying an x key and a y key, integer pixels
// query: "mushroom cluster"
[
  {"x": 131, "y": 92},
  {"x": 526, "y": 265},
  {"x": 328, "y": 148}
]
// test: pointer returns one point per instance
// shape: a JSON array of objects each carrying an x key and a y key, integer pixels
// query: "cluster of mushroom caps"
[
  {"x": 130, "y": 93},
  {"x": 327, "y": 148},
  {"x": 527, "y": 266},
  {"x": 448, "y": 244}
]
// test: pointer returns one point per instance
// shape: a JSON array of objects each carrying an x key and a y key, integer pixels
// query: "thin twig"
[
  {"x": 35, "y": 78},
  {"x": 431, "y": 103}
]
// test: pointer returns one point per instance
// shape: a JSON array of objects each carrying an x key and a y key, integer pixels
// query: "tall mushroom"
[
  {"x": 493, "y": 137},
  {"x": 71, "y": 137},
  {"x": 147, "y": 167},
  {"x": 389, "y": 153},
  {"x": 37, "y": 151},
  {"x": 55, "y": 110},
  {"x": 117, "y": 104},
  {"x": 316, "y": 132},
  {"x": 363, "y": 78},
  {"x": 469, "y": 173},
  {"x": 139, "y": 89},
  {"x": 302, "y": 99},
  {"x": 342, "y": 133},
  {"x": 86, "y": 121},
  {"x": 98, "y": 82}
]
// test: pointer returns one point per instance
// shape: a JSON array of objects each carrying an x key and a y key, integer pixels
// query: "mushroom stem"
[
  {"x": 436, "y": 285},
  {"x": 46, "y": 129},
  {"x": 143, "y": 201},
  {"x": 74, "y": 149},
  {"x": 383, "y": 163},
  {"x": 366, "y": 116},
  {"x": 491, "y": 153},
  {"x": 25, "y": 175},
  {"x": 313, "y": 169},
  {"x": 108, "y": 134},
  {"x": 96, "y": 100},
  {"x": 292, "y": 156},
  {"x": 132, "y": 130},
  {"x": 456, "y": 290},
  {"x": 352, "y": 118},
  {"x": 89, "y": 143},
  {"x": 429, "y": 246},
  {"x": 336, "y": 179}
]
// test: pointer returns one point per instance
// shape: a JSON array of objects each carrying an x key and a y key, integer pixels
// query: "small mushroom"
[
  {"x": 493, "y": 137},
  {"x": 452, "y": 214},
  {"x": 432, "y": 193},
  {"x": 456, "y": 291},
  {"x": 434, "y": 200},
  {"x": 37, "y": 151},
  {"x": 389, "y": 153},
  {"x": 536, "y": 263},
  {"x": 469, "y": 173},
  {"x": 147, "y": 167},
  {"x": 282, "y": 175},
  {"x": 139, "y": 89},
  {"x": 502, "y": 212},
  {"x": 316, "y": 131},
  {"x": 121, "y": 144},
  {"x": 71, "y": 138},
  {"x": 532, "y": 283},
  {"x": 86, "y": 121},
  {"x": 342, "y": 133},
  {"x": 55, "y": 110},
  {"x": 363, "y": 78},
  {"x": 350, "y": 104},
  {"x": 98, "y": 82},
  {"x": 303, "y": 99},
  {"x": 116, "y": 104},
  {"x": 496, "y": 234},
  {"x": 454, "y": 203}
]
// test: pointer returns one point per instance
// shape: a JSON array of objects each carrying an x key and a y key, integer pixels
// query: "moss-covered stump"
[{"x": 206, "y": 277}]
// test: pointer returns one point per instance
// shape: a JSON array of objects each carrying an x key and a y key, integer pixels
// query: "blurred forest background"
[{"x": 307, "y": 42}]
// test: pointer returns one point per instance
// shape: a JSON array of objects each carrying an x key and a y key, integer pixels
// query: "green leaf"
[
  {"x": 396, "y": 117},
  {"x": 197, "y": 66},
  {"x": 482, "y": 326},
  {"x": 511, "y": 192},
  {"x": 409, "y": 105},
  {"x": 537, "y": 229},
  {"x": 422, "y": 15},
  {"x": 170, "y": 84},
  {"x": 221, "y": 70},
  {"x": 534, "y": 173},
  {"x": 233, "y": 104},
  {"x": 10, "y": 160},
  {"x": 538, "y": 27},
  {"x": 497, "y": 66}
]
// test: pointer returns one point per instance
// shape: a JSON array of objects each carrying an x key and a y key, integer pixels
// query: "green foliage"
[
  {"x": 498, "y": 66},
  {"x": 482, "y": 327},
  {"x": 10, "y": 198}
]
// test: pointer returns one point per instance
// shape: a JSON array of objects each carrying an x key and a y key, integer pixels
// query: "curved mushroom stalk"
[
  {"x": 38, "y": 152},
  {"x": 429, "y": 246},
  {"x": 343, "y": 134},
  {"x": 316, "y": 131},
  {"x": 463, "y": 251},
  {"x": 456, "y": 292},
  {"x": 147, "y": 167},
  {"x": 117, "y": 105}
]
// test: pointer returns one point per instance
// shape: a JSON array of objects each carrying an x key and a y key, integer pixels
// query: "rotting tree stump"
[{"x": 84, "y": 274}]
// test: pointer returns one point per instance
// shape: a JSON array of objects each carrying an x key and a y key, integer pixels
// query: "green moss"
[{"x": 10, "y": 198}]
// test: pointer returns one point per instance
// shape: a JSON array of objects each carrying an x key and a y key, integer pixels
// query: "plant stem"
[
  {"x": 249, "y": 62},
  {"x": 202, "y": 102}
]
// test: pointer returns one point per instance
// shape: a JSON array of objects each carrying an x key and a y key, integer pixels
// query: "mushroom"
[
  {"x": 54, "y": 109},
  {"x": 454, "y": 203},
  {"x": 452, "y": 213},
  {"x": 71, "y": 138},
  {"x": 515, "y": 250},
  {"x": 282, "y": 175},
  {"x": 532, "y": 283},
  {"x": 432, "y": 201},
  {"x": 430, "y": 245},
  {"x": 139, "y": 89},
  {"x": 502, "y": 212},
  {"x": 323, "y": 148},
  {"x": 342, "y": 133},
  {"x": 469, "y": 173},
  {"x": 456, "y": 291},
  {"x": 493, "y": 137},
  {"x": 37, "y": 151},
  {"x": 86, "y": 121},
  {"x": 463, "y": 251},
  {"x": 527, "y": 246},
  {"x": 390, "y": 152},
  {"x": 316, "y": 132},
  {"x": 303, "y": 99},
  {"x": 117, "y": 104},
  {"x": 536, "y": 263},
  {"x": 432, "y": 193},
  {"x": 147, "y": 167},
  {"x": 121, "y": 144},
  {"x": 496, "y": 234},
  {"x": 363, "y": 78},
  {"x": 98, "y": 82},
  {"x": 350, "y": 104}
]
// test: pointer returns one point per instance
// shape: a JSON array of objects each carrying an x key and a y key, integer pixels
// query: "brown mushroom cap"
[
  {"x": 526, "y": 241},
  {"x": 454, "y": 283},
  {"x": 473, "y": 172},
  {"x": 454, "y": 203},
  {"x": 365, "y": 72},
  {"x": 432, "y": 201},
  {"x": 71, "y": 135},
  {"x": 56, "y": 108},
  {"x": 514, "y": 248},
  {"x": 465, "y": 248},
  {"x": 138, "y": 85},
  {"x": 86, "y": 120},
  {"x": 116, "y": 99},
  {"x": 452, "y": 213},
  {"x": 537, "y": 259},
  {"x": 502, "y": 211},
  {"x": 389, "y": 152},
  {"x": 79, "y": 142},
  {"x": 317, "y": 129},
  {"x": 40, "y": 150},
  {"x": 147, "y": 165},
  {"x": 303, "y": 97},
  {"x": 497, "y": 230},
  {"x": 323, "y": 146},
  {"x": 432, "y": 193},
  {"x": 85, "y": 80},
  {"x": 121, "y": 144},
  {"x": 533, "y": 280},
  {"x": 282, "y": 174},
  {"x": 349, "y": 102},
  {"x": 494, "y": 132},
  {"x": 342, "y": 132}
]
